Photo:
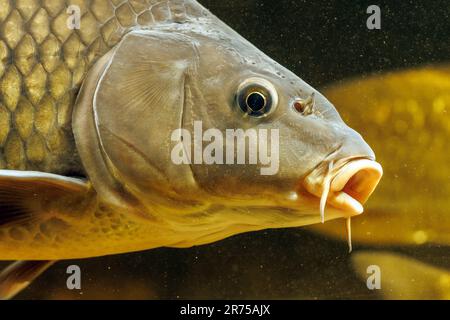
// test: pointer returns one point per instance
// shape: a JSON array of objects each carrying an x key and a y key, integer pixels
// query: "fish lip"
[
  {"x": 354, "y": 183},
  {"x": 351, "y": 185}
]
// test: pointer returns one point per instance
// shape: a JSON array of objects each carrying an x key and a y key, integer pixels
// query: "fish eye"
[
  {"x": 257, "y": 97},
  {"x": 256, "y": 101}
]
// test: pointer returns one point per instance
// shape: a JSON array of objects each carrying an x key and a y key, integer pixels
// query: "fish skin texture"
[{"x": 43, "y": 64}]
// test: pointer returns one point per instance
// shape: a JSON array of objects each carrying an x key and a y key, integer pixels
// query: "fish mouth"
[
  {"x": 345, "y": 185},
  {"x": 353, "y": 185}
]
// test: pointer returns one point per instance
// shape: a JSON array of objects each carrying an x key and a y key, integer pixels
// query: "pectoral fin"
[
  {"x": 26, "y": 195},
  {"x": 19, "y": 275}
]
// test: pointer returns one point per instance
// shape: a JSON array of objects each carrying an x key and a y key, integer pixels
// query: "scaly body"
[{"x": 42, "y": 65}]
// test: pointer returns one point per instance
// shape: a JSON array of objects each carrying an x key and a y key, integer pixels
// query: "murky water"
[{"x": 324, "y": 42}]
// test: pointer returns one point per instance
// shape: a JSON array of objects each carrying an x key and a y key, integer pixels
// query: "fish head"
[
  {"x": 300, "y": 146},
  {"x": 194, "y": 125}
]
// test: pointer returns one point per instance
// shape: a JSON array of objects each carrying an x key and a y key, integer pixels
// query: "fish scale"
[{"x": 43, "y": 64}]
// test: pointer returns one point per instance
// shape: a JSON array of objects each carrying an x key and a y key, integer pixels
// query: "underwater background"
[{"x": 325, "y": 43}]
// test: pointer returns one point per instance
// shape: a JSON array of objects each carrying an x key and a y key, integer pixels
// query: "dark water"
[{"x": 323, "y": 42}]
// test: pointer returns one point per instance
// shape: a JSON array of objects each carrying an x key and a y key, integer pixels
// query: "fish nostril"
[
  {"x": 305, "y": 107},
  {"x": 299, "y": 106}
]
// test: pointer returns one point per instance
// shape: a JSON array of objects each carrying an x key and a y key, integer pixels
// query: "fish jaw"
[{"x": 347, "y": 185}]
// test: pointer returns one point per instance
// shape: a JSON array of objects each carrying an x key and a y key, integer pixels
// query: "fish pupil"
[{"x": 256, "y": 102}]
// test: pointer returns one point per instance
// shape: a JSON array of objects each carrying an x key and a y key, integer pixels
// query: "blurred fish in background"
[
  {"x": 404, "y": 278},
  {"x": 405, "y": 116}
]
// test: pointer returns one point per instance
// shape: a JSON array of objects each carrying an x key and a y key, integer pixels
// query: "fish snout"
[
  {"x": 354, "y": 174},
  {"x": 353, "y": 146}
]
